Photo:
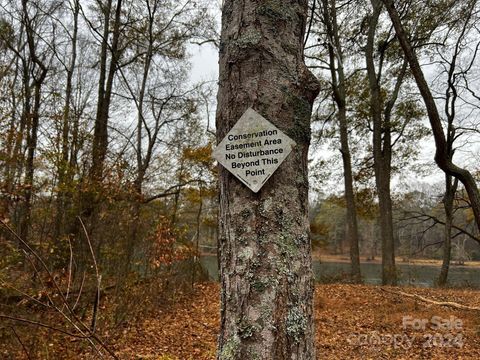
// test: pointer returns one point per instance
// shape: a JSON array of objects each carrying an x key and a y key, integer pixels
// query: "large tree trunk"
[
  {"x": 265, "y": 249},
  {"x": 335, "y": 52}
]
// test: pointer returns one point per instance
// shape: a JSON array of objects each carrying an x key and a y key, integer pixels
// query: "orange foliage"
[{"x": 165, "y": 249}]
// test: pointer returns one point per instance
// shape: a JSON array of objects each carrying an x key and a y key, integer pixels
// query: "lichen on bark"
[
  {"x": 277, "y": 10},
  {"x": 264, "y": 244}
]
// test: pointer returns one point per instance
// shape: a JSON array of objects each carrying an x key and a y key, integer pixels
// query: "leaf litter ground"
[{"x": 352, "y": 322}]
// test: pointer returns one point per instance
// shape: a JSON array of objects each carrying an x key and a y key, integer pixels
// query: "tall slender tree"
[
  {"x": 39, "y": 74},
  {"x": 382, "y": 142},
  {"x": 64, "y": 168},
  {"x": 338, "y": 84},
  {"x": 108, "y": 69}
]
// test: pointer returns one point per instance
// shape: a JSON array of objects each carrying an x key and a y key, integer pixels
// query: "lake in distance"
[{"x": 409, "y": 274}]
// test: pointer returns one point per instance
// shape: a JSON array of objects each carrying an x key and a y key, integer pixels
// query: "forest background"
[{"x": 107, "y": 185}]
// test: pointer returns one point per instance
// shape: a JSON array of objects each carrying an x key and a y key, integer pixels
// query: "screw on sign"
[{"x": 253, "y": 149}]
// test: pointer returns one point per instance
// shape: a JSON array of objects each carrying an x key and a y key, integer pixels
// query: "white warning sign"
[{"x": 253, "y": 149}]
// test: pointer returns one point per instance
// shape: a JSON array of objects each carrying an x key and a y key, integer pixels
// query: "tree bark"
[
  {"x": 105, "y": 86},
  {"x": 265, "y": 250},
  {"x": 441, "y": 153}
]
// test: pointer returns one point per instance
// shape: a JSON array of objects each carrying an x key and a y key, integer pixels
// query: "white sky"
[
  {"x": 204, "y": 63},
  {"x": 205, "y": 68}
]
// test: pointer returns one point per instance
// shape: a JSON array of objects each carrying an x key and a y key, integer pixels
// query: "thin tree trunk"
[
  {"x": 176, "y": 198},
  {"x": 135, "y": 227},
  {"x": 265, "y": 250},
  {"x": 451, "y": 97},
  {"x": 382, "y": 153},
  {"x": 63, "y": 168},
  {"x": 339, "y": 94},
  {"x": 196, "y": 256},
  {"x": 11, "y": 155},
  {"x": 143, "y": 162},
  {"x": 19, "y": 142},
  {"x": 32, "y": 139},
  {"x": 101, "y": 119},
  {"x": 448, "y": 200},
  {"x": 40, "y": 73}
]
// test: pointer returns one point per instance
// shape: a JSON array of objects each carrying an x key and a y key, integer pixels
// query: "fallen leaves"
[
  {"x": 188, "y": 330},
  {"x": 352, "y": 322}
]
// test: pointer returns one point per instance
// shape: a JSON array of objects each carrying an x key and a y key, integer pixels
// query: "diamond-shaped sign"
[{"x": 253, "y": 149}]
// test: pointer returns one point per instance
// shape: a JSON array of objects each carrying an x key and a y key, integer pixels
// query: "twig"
[
  {"x": 73, "y": 319},
  {"x": 434, "y": 302},
  {"x": 96, "y": 303},
  {"x": 79, "y": 292},
  {"x": 36, "y": 256},
  {"x": 21, "y": 343},
  {"x": 70, "y": 266},
  {"x": 46, "y": 326},
  {"x": 24, "y": 294}
]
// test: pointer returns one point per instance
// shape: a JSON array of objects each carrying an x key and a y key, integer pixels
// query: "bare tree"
[
  {"x": 336, "y": 62},
  {"x": 382, "y": 141},
  {"x": 441, "y": 155},
  {"x": 108, "y": 69},
  {"x": 39, "y": 73},
  {"x": 64, "y": 165}
]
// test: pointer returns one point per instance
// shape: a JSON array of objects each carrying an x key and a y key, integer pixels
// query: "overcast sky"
[
  {"x": 204, "y": 63},
  {"x": 205, "y": 68}
]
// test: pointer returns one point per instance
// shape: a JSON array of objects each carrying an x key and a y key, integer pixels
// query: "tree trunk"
[
  {"x": 105, "y": 86},
  {"x": 198, "y": 225},
  {"x": 382, "y": 153},
  {"x": 265, "y": 249},
  {"x": 132, "y": 237},
  {"x": 450, "y": 191},
  {"x": 100, "y": 133},
  {"x": 176, "y": 198},
  {"x": 32, "y": 139},
  {"x": 63, "y": 167},
  {"x": 12, "y": 156},
  {"x": 389, "y": 273},
  {"x": 92, "y": 195},
  {"x": 335, "y": 52},
  {"x": 39, "y": 74}
]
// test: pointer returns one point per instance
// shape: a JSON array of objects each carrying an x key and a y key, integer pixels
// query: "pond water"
[{"x": 410, "y": 274}]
